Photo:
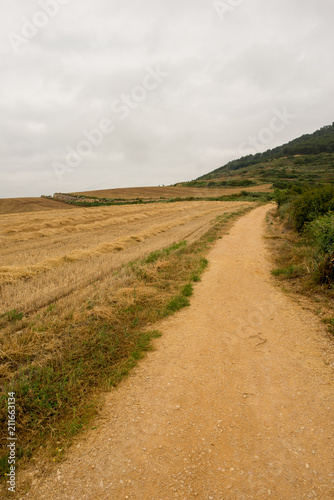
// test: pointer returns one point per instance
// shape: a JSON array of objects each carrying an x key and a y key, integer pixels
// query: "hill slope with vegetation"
[
  {"x": 320, "y": 143},
  {"x": 307, "y": 159},
  {"x": 301, "y": 174}
]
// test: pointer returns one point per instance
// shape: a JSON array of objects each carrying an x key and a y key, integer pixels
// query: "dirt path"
[{"x": 235, "y": 403}]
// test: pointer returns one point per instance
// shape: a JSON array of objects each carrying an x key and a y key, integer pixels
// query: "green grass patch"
[
  {"x": 158, "y": 254},
  {"x": 289, "y": 272},
  {"x": 13, "y": 315},
  {"x": 330, "y": 323},
  {"x": 176, "y": 304},
  {"x": 188, "y": 290}
]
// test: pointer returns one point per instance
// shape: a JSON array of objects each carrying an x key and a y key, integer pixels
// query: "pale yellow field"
[
  {"x": 170, "y": 192},
  {"x": 62, "y": 254},
  {"x": 19, "y": 205}
]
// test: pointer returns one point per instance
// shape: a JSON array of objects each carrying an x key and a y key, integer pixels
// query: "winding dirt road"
[{"x": 235, "y": 403}]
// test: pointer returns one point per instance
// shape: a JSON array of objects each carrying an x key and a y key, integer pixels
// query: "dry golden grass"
[
  {"x": 169, "y": 192},
  {"x": 22, "y": 205},
  {"x": 67, "y": 269},
  {"x": 75, "y": 303},
  {"x": 40, "y": 270},
  {"x": 101, "y": 219},
  {"x": 26, "y": 205}
]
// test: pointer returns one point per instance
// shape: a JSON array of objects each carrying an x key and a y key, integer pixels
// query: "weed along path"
[{"x": 236, "y": 402}]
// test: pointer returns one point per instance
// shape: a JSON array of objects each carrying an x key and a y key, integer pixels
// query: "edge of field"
[{"x": 293, "y": 258}]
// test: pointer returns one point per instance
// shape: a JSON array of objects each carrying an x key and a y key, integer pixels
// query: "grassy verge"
[
  {"x": 58, "y": 391},
  {"x": 330, "y": 323},
  {"x": 297, "y": 268}
]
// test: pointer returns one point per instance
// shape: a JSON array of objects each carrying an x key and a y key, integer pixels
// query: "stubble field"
[
  {"x": 172, "y": 191},
  {"x": 48, "y": 255},
  {"x": 78, "y": 289}
]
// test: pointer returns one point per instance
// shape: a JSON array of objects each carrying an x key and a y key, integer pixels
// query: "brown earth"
[
  {"x": 19, "y": 205},
  {"x": 170, "y": 192},
  {"x": 235, "y": 403}
]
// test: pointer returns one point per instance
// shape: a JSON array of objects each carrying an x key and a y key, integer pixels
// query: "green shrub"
[
  {"x": 321, "y": 231},
  {"x": 240, "y": 183},
  {"x": 325, "y": 273},
  {"x": 310, "y": 205},
  {"x": 286, "y": 195}
]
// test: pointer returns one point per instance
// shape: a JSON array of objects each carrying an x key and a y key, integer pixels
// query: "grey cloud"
[{"x": 226, "y": 77}]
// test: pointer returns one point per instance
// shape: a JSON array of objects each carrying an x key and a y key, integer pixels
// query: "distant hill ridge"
[{"x": 321, "y": 141}]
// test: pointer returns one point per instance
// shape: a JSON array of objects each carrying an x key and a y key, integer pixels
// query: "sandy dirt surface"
[{"x": 235, "y": 403}]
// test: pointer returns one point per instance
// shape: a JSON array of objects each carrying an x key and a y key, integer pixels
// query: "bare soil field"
[
  {"x": 169, "y": 192},
  {"x": 19, "y": 205}
]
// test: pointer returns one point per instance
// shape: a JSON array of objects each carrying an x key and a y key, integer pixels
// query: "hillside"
[{"x": 308, "y": 158}]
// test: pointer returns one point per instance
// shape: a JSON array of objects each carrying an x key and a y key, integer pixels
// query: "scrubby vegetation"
[
  {"x": 310, "y": 204},
  {"x": 309, "y": 210},
  {"x": 303, "y": 203},
  {"x": 305, "y": 149},
  {"x": 305, "y": 233},
  {"x": 320, "y": 233}
]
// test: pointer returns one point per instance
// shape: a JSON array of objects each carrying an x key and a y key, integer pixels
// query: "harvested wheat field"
[
  {"x": 20, "y": 205},
  {"x": 170, "y": 192},
  {"x": 236, "y": 402},
  {"x": 46, "y": 256},
  {"x": 79, "y": 289}
]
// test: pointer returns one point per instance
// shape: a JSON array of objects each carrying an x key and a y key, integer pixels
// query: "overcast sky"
[{"x": 102, "y": 94}]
